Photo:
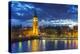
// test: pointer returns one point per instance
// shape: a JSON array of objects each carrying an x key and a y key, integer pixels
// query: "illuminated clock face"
[{"x": 35, "y": 19}]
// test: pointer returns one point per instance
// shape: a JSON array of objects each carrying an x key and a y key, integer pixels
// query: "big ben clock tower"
[{"x": 35, "y": 24}]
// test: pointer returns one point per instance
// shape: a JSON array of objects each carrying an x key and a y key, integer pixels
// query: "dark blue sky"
[{"x": 23, "y": 12}]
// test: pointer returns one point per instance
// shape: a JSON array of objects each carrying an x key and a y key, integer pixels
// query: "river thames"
[{"x": 43, "y": 45}]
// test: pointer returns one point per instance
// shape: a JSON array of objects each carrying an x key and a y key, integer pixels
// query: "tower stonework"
[{"x": 35, "y": 24}]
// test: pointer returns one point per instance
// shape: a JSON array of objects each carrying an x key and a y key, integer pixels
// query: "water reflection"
[
  {"x": 56, "y": 42},
  {"x": 35, "y": 45},
  {"x": 42, "y": 45},
  {"x": 20, "y": 46}
]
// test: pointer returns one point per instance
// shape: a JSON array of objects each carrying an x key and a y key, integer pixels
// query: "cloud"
[
  {"x": 19, "y": 14},
  {"x": 72, "y": 9},
  {"x": 21, "y": 9},
  {"x": 29, "y": 6},
  {"x": 17, "y": 6},
  {"x": 58, "y": 22},
  {"x": 27, "y": 23},
  {"x": 15, "y": 22}
]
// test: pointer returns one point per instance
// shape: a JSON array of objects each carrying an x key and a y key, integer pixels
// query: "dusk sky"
[{"x": 23, "y": 12}]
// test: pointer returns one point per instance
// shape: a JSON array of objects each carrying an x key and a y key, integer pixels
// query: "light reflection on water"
[
  {"x": 43, "y": 45},
  {"x": 35, "y": 45}
]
